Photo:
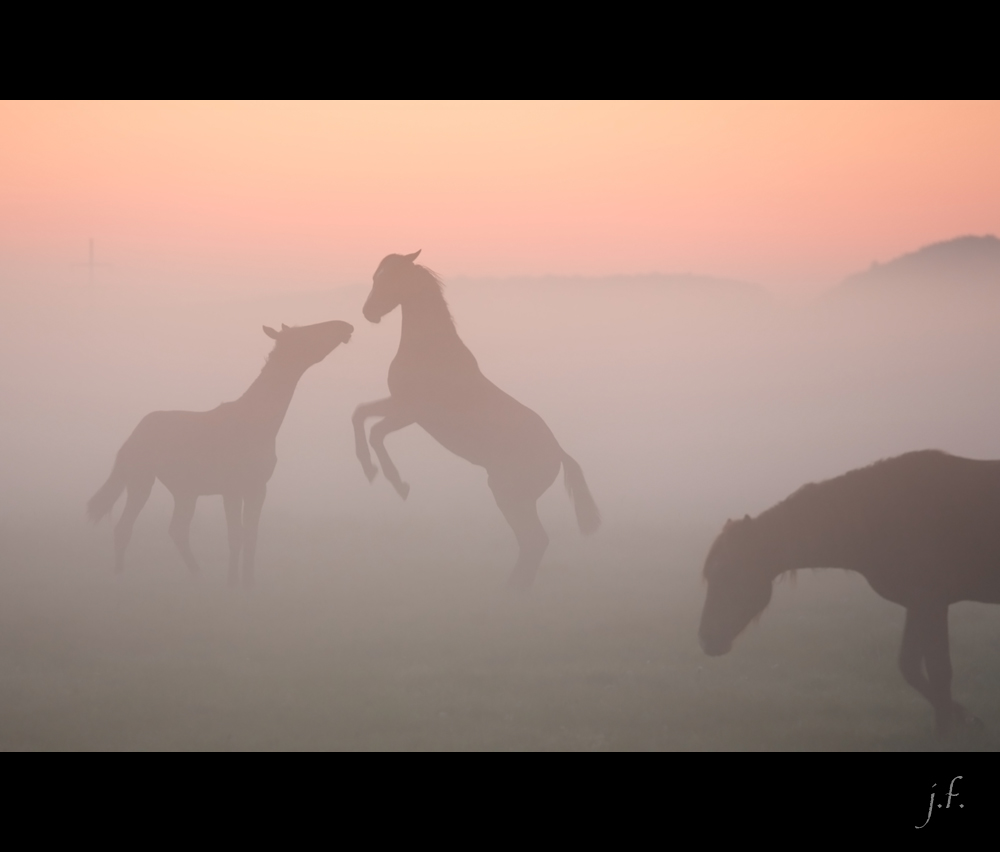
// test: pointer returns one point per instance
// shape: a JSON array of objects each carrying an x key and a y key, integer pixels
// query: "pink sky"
[{"x": 793, "y": 195}]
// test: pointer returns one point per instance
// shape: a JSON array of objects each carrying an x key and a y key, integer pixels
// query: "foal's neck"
[{"x": 266, "y": 401}]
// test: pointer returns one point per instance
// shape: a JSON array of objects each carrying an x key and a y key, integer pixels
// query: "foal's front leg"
[
  {"x": 380, "y": 408},
  {"x": 180, "y": 529},
  {"x": 234, "y": 525},
  {"x": 253, "y": 502}
]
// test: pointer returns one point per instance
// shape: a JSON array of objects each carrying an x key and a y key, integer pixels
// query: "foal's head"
[
  {"x": 397, "y": 276},
  {"x": 739, "y": 571},
  {"x": 302, "y": 346}
]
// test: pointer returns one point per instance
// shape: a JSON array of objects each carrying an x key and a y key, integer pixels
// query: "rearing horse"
[{"x": 435, "y": 381}]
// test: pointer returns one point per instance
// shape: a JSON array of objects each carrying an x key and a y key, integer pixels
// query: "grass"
[{"x": 367, "y": 636}]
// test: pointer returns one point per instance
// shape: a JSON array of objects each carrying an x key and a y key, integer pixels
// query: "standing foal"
[{"x": 229, "y": 450}]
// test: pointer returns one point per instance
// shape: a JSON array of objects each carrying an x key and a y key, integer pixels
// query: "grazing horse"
[
  {"x": 229, "y": 450},
  {"x": 435, "y": 381},
  {"x": 923, "y": 529}
]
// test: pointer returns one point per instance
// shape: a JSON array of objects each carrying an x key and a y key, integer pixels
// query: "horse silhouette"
[
  {"x": 435, "y": 381},
  {"x": 229, "y": 450},
  {"x": 923, "y": 529}
]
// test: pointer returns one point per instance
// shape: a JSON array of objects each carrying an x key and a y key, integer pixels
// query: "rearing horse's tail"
[
  {"x": 104, "y": 500},
  {"x": 588, "y": 516}
]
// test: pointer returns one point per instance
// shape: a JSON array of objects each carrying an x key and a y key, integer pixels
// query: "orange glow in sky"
[{"x": 789, "y": 194}]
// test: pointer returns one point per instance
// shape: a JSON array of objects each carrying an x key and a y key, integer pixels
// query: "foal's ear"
[
  {"x": 270, "y": 332},
  {"x": 412, "y": 257}
]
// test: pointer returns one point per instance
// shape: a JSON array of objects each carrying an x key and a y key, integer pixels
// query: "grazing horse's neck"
[
  {"x": 809, "y": 530},
  {"x": 266, "y": 401}
]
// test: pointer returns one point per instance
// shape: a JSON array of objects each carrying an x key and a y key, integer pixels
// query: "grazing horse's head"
[
  {"x": 388, "y": 285},
  {"x": 303, "y": 346},
  {"x": 739, "y": 571}
]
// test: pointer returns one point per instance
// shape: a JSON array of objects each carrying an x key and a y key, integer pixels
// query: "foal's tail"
[
  {"x": 104, "y": 500},
  {"x": 588, "y": 516}
]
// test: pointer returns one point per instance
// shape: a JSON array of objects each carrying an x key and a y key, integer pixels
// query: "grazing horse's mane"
[
  {"x": 852, "y": 483},
  {"x": 845, "y": 498}
]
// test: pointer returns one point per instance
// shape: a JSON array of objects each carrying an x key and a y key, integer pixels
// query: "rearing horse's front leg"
[
  {"x": 391, "y": 423},
  {"x": 380, "y": 408}
]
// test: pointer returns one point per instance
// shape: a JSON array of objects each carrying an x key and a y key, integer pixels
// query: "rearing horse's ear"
[
  {"x": 270, "y": 332},
  {"x": 412, "y": 257},
  {"x": 284, "y": 327}
]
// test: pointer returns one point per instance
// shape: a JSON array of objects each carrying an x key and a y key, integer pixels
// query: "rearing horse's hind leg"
[
  {"x": 138, "y": 494},
  {"x": 180, "y": 528},
  {"x": 392, "y": 423},
  {"x": 532, "y": 540}
]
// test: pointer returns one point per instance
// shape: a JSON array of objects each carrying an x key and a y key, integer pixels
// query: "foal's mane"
[{"x": 274, "y": 348}]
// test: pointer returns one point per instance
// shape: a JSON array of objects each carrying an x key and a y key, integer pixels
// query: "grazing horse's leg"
[
  {"x": 253, "y": 502},
  {"x": 521, "y": 513},
  {"x": 379, "y": 408},
  {"x": 180, "y": 528},
  {"x": 391, "y": 423},
  {"x": 234, "y": 526},
  {"x": 925, "y": 646},
  {"x": 138, "y": 494}
]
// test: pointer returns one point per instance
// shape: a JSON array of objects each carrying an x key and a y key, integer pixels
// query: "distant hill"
[
  {"x": 962, "y": 263},
  {"x": 687, "y": 284}
]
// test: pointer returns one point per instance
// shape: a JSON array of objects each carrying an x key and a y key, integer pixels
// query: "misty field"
[{"x": 398, "y": 634}]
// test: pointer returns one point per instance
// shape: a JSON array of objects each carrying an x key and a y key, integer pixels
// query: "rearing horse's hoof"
[
  {"x": 371, "y": 473},
  {"x": 403, "y": 489}
]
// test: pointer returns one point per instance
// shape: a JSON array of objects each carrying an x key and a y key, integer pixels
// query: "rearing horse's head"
[
  {"x": 388, "y": 285},
  {"x": 739, "y": 572}
]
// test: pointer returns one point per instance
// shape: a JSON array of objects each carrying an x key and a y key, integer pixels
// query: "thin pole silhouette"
[
  {"x": 923, "y": 529},
  {"x": 229, "y": 450},
  {"x": 435, "y": 381},
  {"x": 92, "y": 264}
]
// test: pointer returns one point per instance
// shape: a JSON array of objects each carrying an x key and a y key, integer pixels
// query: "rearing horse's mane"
[{"x": 430, "y": 277}]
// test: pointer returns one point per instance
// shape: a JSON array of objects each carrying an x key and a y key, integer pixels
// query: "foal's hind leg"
[
  {"x": 522, "y": 514},
  {"x": 392, "y": 423},
  {"x": 180, "y": 528},
  {"x": 138, "y": 494}
]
